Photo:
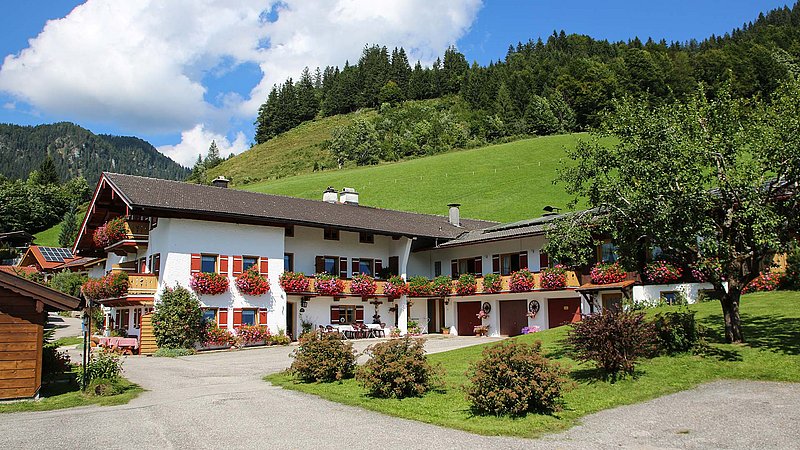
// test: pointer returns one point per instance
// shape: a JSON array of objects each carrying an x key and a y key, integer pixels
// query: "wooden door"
[
  {"x": 561, "y": 311},
  {"x": 513, "y": 316},
  {"x": 612, "y": 302},
  {"x": 290, "y": 321},
  {"x": 433, "y": 316},
  {"x": 467, "y": 317}
]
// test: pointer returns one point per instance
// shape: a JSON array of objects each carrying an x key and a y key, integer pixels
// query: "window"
[
  {"x": 208, "y": 263},
  {"x": 366, "y": 238},
  {"x": 248, "y": 317},
  {"x": 671, "y": 297},
  {"x": 366, "y": 266},
  {"x": 331, "y": 234},
  {"x": 155, "y": 264},
  {"x": 248, "y": 262},
  {"x": 509, "y": 263},
  {"x": 137, "y": 317},
  {"x": 289, "y": 231},
  {"x": 437, "y": 268},
  {"x": 288, "y": 262},
  {"x": 331, "y": 265},
  {"x": 209, "y": 315},
  {"x": 347, "y": 314},
  {"x": 608, "y": 252}
]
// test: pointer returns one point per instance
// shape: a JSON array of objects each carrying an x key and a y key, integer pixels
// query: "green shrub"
[
  {"x": 103, "y": 387},
  {"x": 104, "y": 364},
  {"x": 676, "y": 331},
  {"x": 178, "y": 320},
  {"x": 54, "y": 363},
  {"x": 174, "y": 352},
  {"x": 791, "y": 280},
  {"x": 279, "y": 339},
  {"x": 613, "y": 340},
  {"x": 68, "y": 282},
  {"x": 513, "y": 378},
  {"x": 397, "y": 368},
  {"x": 323, "y": 357}
]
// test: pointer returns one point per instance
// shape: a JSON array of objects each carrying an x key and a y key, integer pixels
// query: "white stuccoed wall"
[
  {"x": 651, "y": 293},
  {"x": 308, "y": 243}
]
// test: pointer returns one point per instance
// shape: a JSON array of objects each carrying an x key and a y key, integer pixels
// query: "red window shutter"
[
  {"x": 196, "y": 262},
  {"x": 342, "y": 267},
  {"x": 237, "y": 265},
  {"x": 223, "y": 318},
  {"x": 543, "y": 260},
  {"x": 319, "y": 264},
  {"x": 454, "y": 268},
  {"x": 523, "y": 260},
  {"x": 264, "y": 265},
  {"x": 142, "y": 265},
  {"x": 335, "y": 314},
  {"x": 223, "y": 264},
  {"x": 479, "y": 266},
  {"x": 262, "y": 316},
  {"x": 378, "y": 267},
  {"x": 157, "y": 264},
  {"x": 237, "y": 317},
  {"x": 359, "y": 314},
  {"x": 354, "y": 264}
]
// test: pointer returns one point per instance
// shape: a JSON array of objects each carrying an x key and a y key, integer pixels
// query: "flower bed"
[
  {"x": 252, "y": 335},
  {"x": 554, "y": 277},
  {"x": 250, "y": 282},
  {"x": 327, "y": 284},
  {"x": 110, "y": 232},
  {"x": 466, "y": 284},
  {"x": 419, "y": 287},
  {"x": 766, "y": 281},
  {"x": 662, "y": 272},
  {"x": 294, "y": 282},
  {"x": 217, "y": 337},
  {"x": 492, "y": 283},
  {"x": 442, "y": 286},
  {"x": 607, "y": 273},
  {"x": 363, "y": 285},
  {"x": 209, "y": 283},
  {"x": 112, "y": 285},
  {"x": 395, "y": 287},
  {"x": 522, "y": 281}
]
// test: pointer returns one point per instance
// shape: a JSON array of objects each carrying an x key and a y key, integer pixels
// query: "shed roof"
[{"x": 55, "y": 300}]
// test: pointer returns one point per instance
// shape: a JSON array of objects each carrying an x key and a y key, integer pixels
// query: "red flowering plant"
[
  {"x": 363, "y": 285},
  {"x": 327, "y": 284},
  {"x": 766, "y": 281},
  {"x": 554, "y": 277},
  {"x": 214, "y": 336},
  {"x": 251, "y": 282},
  {"x": 294, "y": 282},
  {"x": 466, "y": 284},
  {"x": 419, "y": 286},
  {"x": 252, "y": 334},
  {"x": 442, "y": 286},
  {"x": 110, "y": 232},
  {"x": 482, "y": 315},
  {"x": 209, "y": 283},
  {"x": 522, "y": 281},
  {"x": 112, "y": 285},
  {"x": 607, "y": 273},
  {"x": 662, "y": 272},
  {"x": 492, "y": 283},
  {"x": 395, "y": 287}
]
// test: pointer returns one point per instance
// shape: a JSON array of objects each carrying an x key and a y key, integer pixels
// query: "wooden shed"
[{"x": 24, "y": 305}]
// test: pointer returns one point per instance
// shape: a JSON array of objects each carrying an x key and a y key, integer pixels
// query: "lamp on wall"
[{"x": 303, "y": 302}]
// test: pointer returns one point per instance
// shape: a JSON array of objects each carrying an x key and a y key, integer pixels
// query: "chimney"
[
  {"x": 455, "y": 214},
  {"x": 220, "y": 182},
  {"x": 330, "y": 195},
  {"x": 348, "y": 196}
]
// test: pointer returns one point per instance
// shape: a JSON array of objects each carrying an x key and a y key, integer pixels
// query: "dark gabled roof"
[
  {"x": 180, "y": 199},
  {"x": 514, "y": 230},
  {"x": 35, "y": 291}
]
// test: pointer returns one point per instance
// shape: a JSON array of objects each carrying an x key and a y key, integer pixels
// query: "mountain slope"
[
  {"x": 77, "y": 151},
  {"x": 504, "y": 182}
]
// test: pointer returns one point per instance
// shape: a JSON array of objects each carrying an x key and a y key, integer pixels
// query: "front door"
[
  {"x": 561, "y": 311},
  {"x": 434, "y": 320},
  {"x": 513, "y": 316},
  {"x": 468, "y": 317},
  {"x": 290, "y": 321}
]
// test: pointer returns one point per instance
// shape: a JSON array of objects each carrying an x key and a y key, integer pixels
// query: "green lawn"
[
  {"x": 772, "y": 353},
  {"x": 49, "y": 237},
  {"x": 62, "y": 396},
  {"x": 67, "y": 341}
]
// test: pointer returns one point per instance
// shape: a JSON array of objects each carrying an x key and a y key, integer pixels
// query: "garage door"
[
  {"x": 561, "y": 311},
  {"x": 513, "y": 316},
  {"x": 467, "y": 317}
]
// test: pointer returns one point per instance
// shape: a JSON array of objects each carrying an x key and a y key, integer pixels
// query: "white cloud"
[
  {"x": 9, "y": 105},
  {"x": 140, "y": 66},
  {"x": 196, "y": 141}
]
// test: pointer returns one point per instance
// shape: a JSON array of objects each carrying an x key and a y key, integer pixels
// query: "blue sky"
[{"x": 105, "y": 66}]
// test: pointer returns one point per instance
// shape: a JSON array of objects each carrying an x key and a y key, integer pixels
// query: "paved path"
[
  {"x": 218, "y": 400},
  {"x": 64, "y": 326}
]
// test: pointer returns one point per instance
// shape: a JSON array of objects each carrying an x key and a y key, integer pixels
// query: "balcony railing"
[
  {"x": 142, "y": 284},
  {"x": 137, "y": 234}
]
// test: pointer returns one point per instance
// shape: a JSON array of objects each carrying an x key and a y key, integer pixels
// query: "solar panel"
[{"x": 55, "y": 254}]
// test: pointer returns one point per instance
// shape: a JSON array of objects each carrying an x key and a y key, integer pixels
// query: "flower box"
[
  {"x": 112, "y": 285},
  {"x": 607, "y": 273},
  {"x": 662, "y": 272},
  {"x": 252, "y": 335},
  {"x": 110, "y": 232},
  {"x": 442, "y": 286},
  {"x": 326, "y": 284},
  {"x": 466, "y": 284},
  {"x": 554, "y": 277},
  {"x": 419, "y": 287},
  {"x": 363, "y": 285},
  {"x": 209, "y": 283},
  {"x": 492, "y": 283},
  {"x": 522, "y": 281},
  {"x": 215, "y": 338},
  {"x": 295, "y": 282},
  {"x": 250, "y": 282},
  {"x": 395, "y": 287}
]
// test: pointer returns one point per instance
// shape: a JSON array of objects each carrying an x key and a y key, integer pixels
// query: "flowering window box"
[
  {"x": 327, "y": 284},
  {"x": 121, "y": 236},
  {"x": 607, "y": 273},
  {"x": 252, "y": 335},
  {"x": 492, "y": 283},
  {"x": 662, "y": 272},
  {"x": 442, "y": 286},
  {"x": 209, "y": 283},
  {"x": 112, "y": 285},
  {"x": 466, "y": 284},
  {"x": 419, "y": 287},
  {"x": 554, "y": 277},
  {"x": 395, "y": 287},
  {"x": 294, "y": 282},
  {"x": 522, "y": 281},
  {"x": 250, "y": 282},
  {"x": 363, "y": 285}
]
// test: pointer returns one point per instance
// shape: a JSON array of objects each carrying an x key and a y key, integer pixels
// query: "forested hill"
[{"x": 77, "y": 151}]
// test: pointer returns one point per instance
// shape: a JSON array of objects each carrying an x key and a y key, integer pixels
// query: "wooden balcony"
[
  {"x": 141, "y": 289},
  {"x": 347, "y": 292},
  {"x": 137, "y": 234}
]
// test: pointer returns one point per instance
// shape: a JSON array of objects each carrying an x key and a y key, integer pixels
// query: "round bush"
[
  {"x": 178, "y": 320},
  {"x": 323, "y": 357},
  {"x": 103, "y": 365},
  {"x": 513, "y": 378},
  {"x": 397, "y": 368},
  {"x": 676, "y": 331}
]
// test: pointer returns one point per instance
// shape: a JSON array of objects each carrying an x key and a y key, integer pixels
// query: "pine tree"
[
  {"x": 373, "y": 73},
  {"x": 454, "y": 70},
  {"x": 69, "y": 227},
  {"x": 539, "y": 118},
  {"x": 198, "y": 174},
  {"x": 265, "y": 123},
  {"x": 417, "y": 83},
  {"x": 47, "y": 173},
  {"x": 400, "y": 71},
  {"x": 307, "y": 102},
  {"x": 212, "y": 157}
]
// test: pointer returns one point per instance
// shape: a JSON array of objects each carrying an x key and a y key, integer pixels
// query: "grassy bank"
[
  {"x": 772, "y": 353},
  {"x": 67, "y": 395}
]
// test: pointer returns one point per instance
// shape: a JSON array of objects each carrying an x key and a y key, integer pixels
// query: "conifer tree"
[
  {"x": 400, "y": 70},
  {"x": 307, "y": 102},
  {"x": 454, "y": 70},
  {"x": 212, "y": 157},
  {"x": 47, "y": 173},
  {"x": 69, "y": 227}
]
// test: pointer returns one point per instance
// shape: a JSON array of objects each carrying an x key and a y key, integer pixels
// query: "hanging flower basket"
[
  {"x": 662, "y": 272},
  {"x": 395, "y": 287},
  {"x": 112, "y": 285},
  {"x": 466, "y": 284},
  {"x": 327, "y": 284},
  {"x": 363, "y": 285},
  {"x": 607, "y": 273},
  {"x": 110, "y": 232},
  {"x": 419, "y": 287},
  {"x": 250, "y": 282},
  {"x": 554, "y": 277},
  {"x": 522, "y": 281},
  {"x": 492, "y": 283},
  {"x": 209, "y": 283},
  {"x": 442, "y": 286},
  {"x": 294, "y": 282}
]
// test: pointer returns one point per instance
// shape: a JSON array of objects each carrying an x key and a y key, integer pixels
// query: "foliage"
[
  {"x": 110, "y": 232},
  {"x": 419, "y": 286},
  {"x": 676, "y": 331},
  {"x": 251, "y": 282},
  {"x": 103, "y": 365},
  {"x": 54, "y": 362},
  {"x": 294, "y": 282},
  {"x": 327, "y": 284},
  {"x": 442, "y": 286},
  {"x": 413, "y": 328},
  {"x": 395, "y": 287},
  {"x": 69, "y": 227},
  {"x": 614, "y": 340},
  {"x": 33, "y": 207},
  {"x": 279, "y": 339},
  {"x": 209, "y": 283},
  {"x": 253, "y": 334},
  {"x": 607, "y": 273},
  {"x": 766, "y": 281},
  {"x": 466, "y": 284},
  {"x": 522, "y": 281},
  {"x": 554, "y": 277},
  {"x": 514, "y": 378},
  {"x": 214, "y": 336},
  {"x": 323, "y": 357},
  {"x": 662, "y": 272},
  {"x": 68, "y": 282},
  {"x": 105, "y": 387},
  {"x": 492, "y": 282},
  {"x": 397, "y": 368},
  {"x": 363, "y": 285},
  {"x": 112, "y": 285},
  {"x": 791, "y": 279},
  {"x": 178, "y": 319},
  {"x": 166, "y": 352}
]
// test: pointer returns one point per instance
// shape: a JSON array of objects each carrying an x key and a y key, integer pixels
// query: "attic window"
[
  {"x": 289, "y": 231},
  {"x": 331, "y": 234},
  {"x": 366, "y": 238}
]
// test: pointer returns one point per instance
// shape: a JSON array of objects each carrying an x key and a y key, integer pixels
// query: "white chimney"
[
  {"x": 455, "y": 214},
  {"x": 330, "y": 195},
  {"x": 348, "y": 196}
]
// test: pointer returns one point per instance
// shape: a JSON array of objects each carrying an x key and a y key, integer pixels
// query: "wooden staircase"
[{"x": 147, "y": 340}]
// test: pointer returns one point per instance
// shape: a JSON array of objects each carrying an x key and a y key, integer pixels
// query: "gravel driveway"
[{"x": 218, "y": 400}]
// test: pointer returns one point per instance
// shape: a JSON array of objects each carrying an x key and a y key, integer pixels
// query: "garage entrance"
[
  {"x": 513, "y": 316},
  {"x": 467, "y": 317},
  {"x": 561, "y": 311}
]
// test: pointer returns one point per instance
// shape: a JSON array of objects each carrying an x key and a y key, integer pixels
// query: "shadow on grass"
[{"x": 770, "y": 332}]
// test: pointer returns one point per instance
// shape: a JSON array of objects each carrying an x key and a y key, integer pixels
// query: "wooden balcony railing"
[
  {"x": 142, "y": 284},
  {"x": 137, "y": 234}
]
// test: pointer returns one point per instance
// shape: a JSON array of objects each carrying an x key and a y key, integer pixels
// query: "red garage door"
[
  {"x": 561, "y": 311},
  {"x": 513, "y": 316},
  {"x": 467, "y": 317}
]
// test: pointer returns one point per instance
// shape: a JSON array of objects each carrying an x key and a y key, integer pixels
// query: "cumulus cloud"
[
  {"x": 196, "y": 141},
  {"x": 140, "y": 66}
]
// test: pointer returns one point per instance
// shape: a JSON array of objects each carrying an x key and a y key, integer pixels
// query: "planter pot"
[{"x": 446, "y": 330}]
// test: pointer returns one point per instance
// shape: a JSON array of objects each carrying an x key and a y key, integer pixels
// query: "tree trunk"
[{"x": 730, "y": 311}]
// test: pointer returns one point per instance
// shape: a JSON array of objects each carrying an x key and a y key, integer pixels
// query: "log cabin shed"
[{"x": 24, "y": 305}]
